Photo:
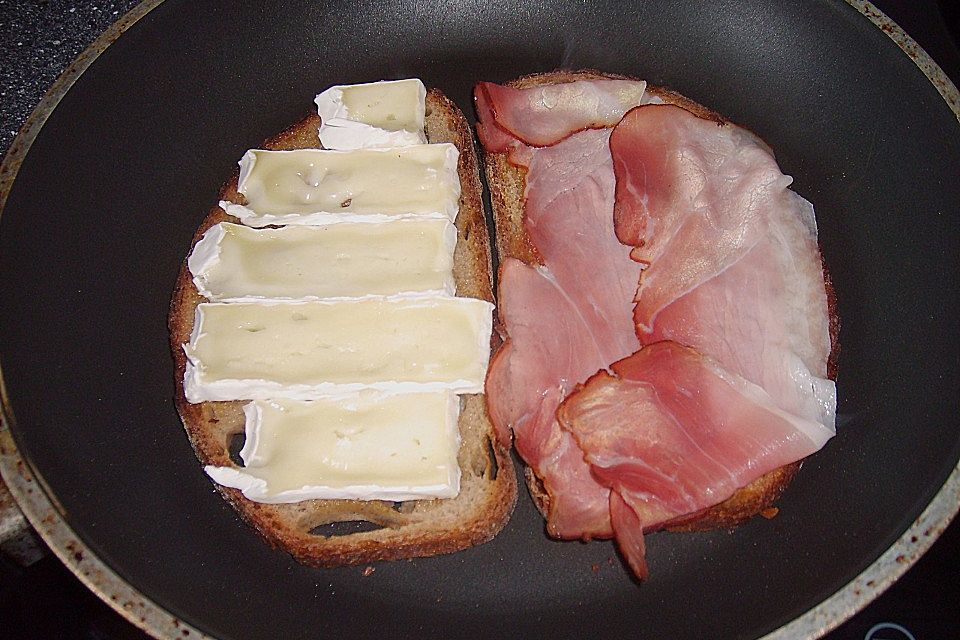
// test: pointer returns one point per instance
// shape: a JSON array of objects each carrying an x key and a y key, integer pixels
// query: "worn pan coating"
[{"x": 105, "y": 202}]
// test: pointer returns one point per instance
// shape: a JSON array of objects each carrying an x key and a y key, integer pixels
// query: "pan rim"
[{"x": 41, "y": 509}]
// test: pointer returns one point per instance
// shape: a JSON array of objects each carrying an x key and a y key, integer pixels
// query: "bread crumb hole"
[
  {"x": 234, "y": 444},
  {"x": 345, "y": 528},
  {"x": 493, "y": 468},
  {"x": 408, "y": 506}
]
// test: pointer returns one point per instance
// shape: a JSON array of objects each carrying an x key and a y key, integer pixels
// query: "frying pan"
[{"x": 104, "y": 204}]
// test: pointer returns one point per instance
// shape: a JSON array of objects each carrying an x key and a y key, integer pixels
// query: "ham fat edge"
[{"x": 671, "y": 344}]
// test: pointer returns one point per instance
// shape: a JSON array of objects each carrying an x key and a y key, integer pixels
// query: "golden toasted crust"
[
  {"x": 506, "y": 183},
  {"x": 309, "y": 530}
]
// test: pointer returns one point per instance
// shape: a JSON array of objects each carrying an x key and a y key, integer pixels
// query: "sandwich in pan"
[
  {"x": 334, "y": 317},
  {"x": 668, "y": 324}
]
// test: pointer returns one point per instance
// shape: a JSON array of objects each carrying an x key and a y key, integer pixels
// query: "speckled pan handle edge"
[
  {"x": 89, "y": 569},
  {"x": 943, "y": 84}
]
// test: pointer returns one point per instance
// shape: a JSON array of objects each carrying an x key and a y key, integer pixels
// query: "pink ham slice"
[
  {"x": 628, "y": 531},
  {"x": 692, "y": 198},
  {"x": 565, "y": 320},
  {"x": 548, "y": 351},
  {"x": 569, "y": 197},
  {"x": 493, "y": 137},
  {"x": 572, "y": 315},
  {"x": 734, "y": 271},
  {"x": 543, "y": 116},
  {"x": 671, "y": 433},
  {"x": 765, "y": 318}
]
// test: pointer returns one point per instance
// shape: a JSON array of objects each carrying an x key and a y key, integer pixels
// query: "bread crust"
[
  {"x": 506, "y": 183},
  {"x": 399, "y": 530}
]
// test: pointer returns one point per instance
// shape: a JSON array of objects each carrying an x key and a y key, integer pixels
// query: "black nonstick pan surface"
[{"x": 104, "y": 205}]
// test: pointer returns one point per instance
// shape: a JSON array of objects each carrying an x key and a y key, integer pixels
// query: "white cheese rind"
[
  {"x": 363, "y": 446},
  {"x": 235, "y": 263},
  {"x": 317, "y": 186},
  {"x": 345, "y": 128},
  {"x": 306, "y": 350},
  {"x": 205, "y": 256}
]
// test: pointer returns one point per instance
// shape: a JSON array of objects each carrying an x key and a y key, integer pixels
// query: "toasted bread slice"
[
  {"x": 327, "y": 533},
  {"x": 506, "y": 183}
]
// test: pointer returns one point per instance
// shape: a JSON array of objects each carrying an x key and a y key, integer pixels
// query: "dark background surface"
[{"x": 39, "y": 39}]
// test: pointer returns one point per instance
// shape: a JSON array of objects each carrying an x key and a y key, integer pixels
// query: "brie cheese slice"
[
  {"x": 236, "y": 263},
  {"x": 304, "y": 350},
  {"x": 375, "y": 114},
  {"x": 362, "y": 446},
  {"x": 316, "y": 186}
]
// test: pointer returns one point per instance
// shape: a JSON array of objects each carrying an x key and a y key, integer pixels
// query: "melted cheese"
[
  {"x": 364, "y": 445},
  {"x": 314, "y": 186},
  {"x": 237, "y": 263},
  {"x": 376, "y": 114},
  {"x": 304, "y": 350}
]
